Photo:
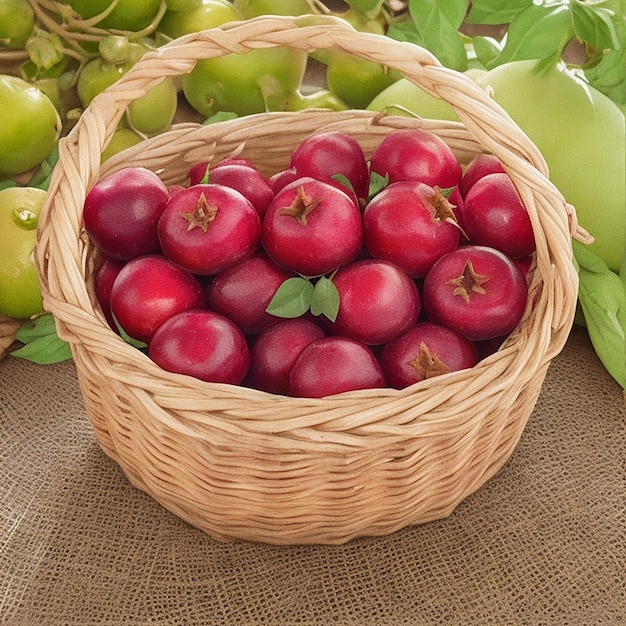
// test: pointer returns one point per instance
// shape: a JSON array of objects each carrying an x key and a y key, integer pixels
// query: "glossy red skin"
[
  {"x": 243, "y": 292},
  {"x": 121, "y": 212},
  {"x": 149, "y": 290},
  {"x": 274, "y": 352},
  {"x": 203, "y": 344},
  {"x": 485, "y": 316},
  {"x": 197, "y": 172},
  {"x": 493, "y": 215},
  {"x": 280, "y": 179},
  {"x": 378, "y": 301},
  {"x": 103, "y": 284},
  {"x": 332, "y": 236},
  {"x": 326, "y": 154},
  {"x": 481, "y": 165},
  {"x": 415, "y": 154},
  {"x": 230, "y": 237},
  {"x": 400, "y": 225},
  {"x": 247, "y": 181},
  {"x": 332, "y": 365},
  {"x": 454, "y": 350}
]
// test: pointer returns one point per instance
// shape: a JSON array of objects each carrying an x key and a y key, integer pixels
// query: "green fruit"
[
  {"x": 255, "y": 8},
  {"x": 97, "y": 76},
  {"x": 153, "y": 112},
  {"x": 581, "y": 134},
  {"x": 129, "y": 15},
  {"x": 207, "y": 14},
  {"x": 17, "y": 20},
  {"x": 30, "y": 126},
  {"x": 254, "y": 82},
  {"x": 20, "y": 293},
  {"x": 355, "y": 80},
  {"x": 404, "y": 98},
  {"x": 122, "y": 138}
]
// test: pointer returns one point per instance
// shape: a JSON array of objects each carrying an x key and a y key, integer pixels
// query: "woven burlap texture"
[{"x": 543, "y": 542}]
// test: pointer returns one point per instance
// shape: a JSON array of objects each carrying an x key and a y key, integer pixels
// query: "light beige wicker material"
[
  {"x": 243, "y": 464},
  {"x": 8, "y": 330}
]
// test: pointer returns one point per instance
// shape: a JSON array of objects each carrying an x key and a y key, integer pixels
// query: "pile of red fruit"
[{"x": 336, "y": 274}]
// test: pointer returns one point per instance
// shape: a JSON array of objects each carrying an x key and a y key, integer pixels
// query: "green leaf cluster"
[
  {"x": 602, "y": 299},
  {"x": 534, "y": 30},
  {"x": 42, "y": 345},
  {"x": 297, "y": 295}
]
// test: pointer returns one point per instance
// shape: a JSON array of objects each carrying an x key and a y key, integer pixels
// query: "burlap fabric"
[{"x": 543, "y": 542}]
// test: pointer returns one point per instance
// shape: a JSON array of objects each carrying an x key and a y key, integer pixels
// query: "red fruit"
[
  {"x": 203, "y": 344},
  {"x": 246, "y": 180},
  {"x": 410, "y": 224},
  {"x": 414, "y": 154},
  {"x": 281, "y": 179},
  {"x": 207, "y": 228},
  {"x": 312, "y": 228},
  {"x": 103, "y": 284},
  {"x": 525, "y": 263},
  {"x": 148, "y": 291},
  {"x": 275, "y": 350},
  {"x": 378, "y": 301},
  {"x": 328, "y": 154},
  {"x": 481, "y": 165},
  {"x": 332, "y": 365},
  {"x": 198, "y": 171},
  {"x": 424, "y": 351},
  {"x": 477, "y": 291},
  {"x": 236, "y": 173},
  {"x": 121, "y": 212},
  {"x": 493, "y": 215},
  {"x": 242, "y": 292}
]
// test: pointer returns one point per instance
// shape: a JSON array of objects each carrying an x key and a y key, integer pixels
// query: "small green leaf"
[
  {"x": 220, "y": 116},
  {"x": 292, "y": 298},
  {"x": 446, "y": 192},
  {"x": 437, "y": 23},
  {"x": 41, "y": 178},
  {"x": 325, "y": 299},
  {"x": 45, "y": 49},
  {"x": 486, "y": 49},
  {"x": 602, "y": 298},
  {"x": 494, "y": 12},
  {"x": 6, "y": 184},
  {"x": 377, "y": 184},
  {"x": 42, "y": 345},
  {"x": 343, "y": 180},
  {"x": 136, "y": 343},
  {"x": 594, "y": 25},
  {"x": 538, "y": 32},
  {"x": 404, "y": 31}
]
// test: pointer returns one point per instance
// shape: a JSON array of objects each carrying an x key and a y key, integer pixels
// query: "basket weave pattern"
[
  {"x": 243, "y": 464},
  {"x": 8, "y": 330}
]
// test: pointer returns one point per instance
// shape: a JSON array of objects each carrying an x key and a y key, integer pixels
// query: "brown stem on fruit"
[
  {"x": 202, "y": 216},
  {"x": 301, "y": 206},
  {"x": 468, "y": 282},
  {"x": 443, "y": 208},
  {"x": 427, "y": 364}
]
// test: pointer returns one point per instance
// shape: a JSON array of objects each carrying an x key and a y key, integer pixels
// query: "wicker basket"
[
  {"x": 243, "y": 464},
  {"x": 8, "y": 330}
]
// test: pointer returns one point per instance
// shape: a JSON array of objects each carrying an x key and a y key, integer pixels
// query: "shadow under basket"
[{"x": 243, "y": 464}]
